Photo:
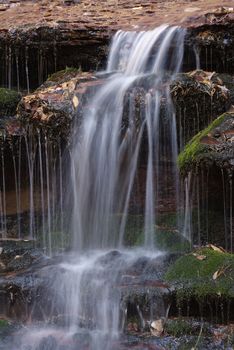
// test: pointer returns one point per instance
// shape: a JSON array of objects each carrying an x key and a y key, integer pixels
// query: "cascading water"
[
  {"x": 104, "y": 160},
  {"x": 104, "y": 156}
]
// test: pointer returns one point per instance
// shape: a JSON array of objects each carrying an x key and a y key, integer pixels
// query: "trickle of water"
[
  {"x": 41, "y": 172},
  {"x": 3, "y": 196},
  {"x": 196, "y": 51},
  {"x": 9, "y": 66},
  {"x": 17, "y": 189},
  {"x": 17, "y": 68},
  {"x": 48, "y": 196},
  {"x": 31, "y": 153},
  {"x": 187, "y": 216},
  {"x": 26, "y": 69}
]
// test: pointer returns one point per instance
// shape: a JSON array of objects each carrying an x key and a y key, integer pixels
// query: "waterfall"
[
  {"x": 106, "y": 148},
  {"x": 105, "y": 153}
]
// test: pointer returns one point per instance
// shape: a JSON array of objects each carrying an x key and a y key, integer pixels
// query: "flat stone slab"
[{"x": 110, "y": 16}]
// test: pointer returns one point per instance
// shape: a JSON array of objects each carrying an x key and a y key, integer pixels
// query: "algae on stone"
[
  {"x": 203, "y": 273},
  {"x": 9, "y": 100},
  {"x": 64, "y": 75},
  {"x": 195, "y": 149}
]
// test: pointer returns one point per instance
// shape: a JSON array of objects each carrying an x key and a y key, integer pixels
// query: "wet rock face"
[
  {"x": 199, "y": 97},
  {"x": 207, "y": 165},
  {"x": 17, "y": 255},
  {"x": 213, "y": 43},
  {"x": 24, "y": 279},
  {"x": 53, "y": 106}
]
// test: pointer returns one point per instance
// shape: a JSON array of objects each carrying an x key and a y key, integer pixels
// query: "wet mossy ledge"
[
  {"x": 213, "y": 145},
  {"x": 204, "y": 275}
]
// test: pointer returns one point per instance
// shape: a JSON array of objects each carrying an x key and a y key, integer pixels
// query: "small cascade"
[
  {"x": 104, "y": 163},
  {"x": 132, "y": 55}
]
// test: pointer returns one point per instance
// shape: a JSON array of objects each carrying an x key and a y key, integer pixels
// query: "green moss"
[
  {"x": 178, "y": 327},
  {"x": 9, "y": 100},
  {"x": 3, "y": 323},
  {"x": 196, "y": 277},
  {"x": 194, "y": 147},
  {"x": 65, "y": 74}
]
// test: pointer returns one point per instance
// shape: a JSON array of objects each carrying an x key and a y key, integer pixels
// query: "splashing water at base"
[{"x": 92, "y": 297}]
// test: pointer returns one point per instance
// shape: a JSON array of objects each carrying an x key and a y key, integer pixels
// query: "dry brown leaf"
[{"x": 199, "y": 257}]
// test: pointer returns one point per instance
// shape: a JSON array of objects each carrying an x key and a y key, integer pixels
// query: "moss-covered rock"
[
  {"x": 212, "y": 145},
  {"x": 63, "y": 75},
  {"x": 9, "y": 100},
  {"x": 206, "y": 272}
]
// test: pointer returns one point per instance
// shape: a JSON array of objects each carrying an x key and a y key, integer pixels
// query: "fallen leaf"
[
  {"x": 199, "y": 257},
  {"x": 157, "y": 327}
]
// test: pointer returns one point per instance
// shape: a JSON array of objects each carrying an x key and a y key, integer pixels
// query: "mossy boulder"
[
  {"x": 204, "y": 273},
  {"x": 213, "y": 145},
  {"x": 9, "y": 100}
]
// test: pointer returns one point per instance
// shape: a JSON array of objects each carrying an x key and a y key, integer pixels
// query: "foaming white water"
[{"x": 90, "y": 291}]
